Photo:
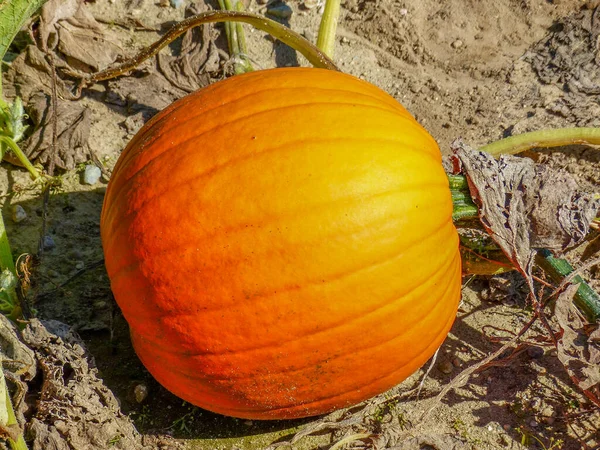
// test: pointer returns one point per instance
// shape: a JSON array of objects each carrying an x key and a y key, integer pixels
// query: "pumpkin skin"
[{"x": 281, "y": 244}]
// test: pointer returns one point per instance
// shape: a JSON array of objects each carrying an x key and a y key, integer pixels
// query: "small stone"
[
  {"x": 280, "y": 11},
  {"x": 403, "y": 11},
  {"x": 535, "y": 352},
  {"x": 248, "y": 423},
  {"x": 48, "y": 242},
  {"x": 506, "y": 427},
  {"x": 92, "y": 174},
  {"x": 345, "y": 40},
  {"x": 18, "y": 214},
  {"x": 140, "y": 391},
  {"x": 445, "y": 367},
  {"x": 52, "y": 273},
  {"x": 533, "y": 423},
  {"x": 456, "y": 362},
  {"x": 76, "y": 254},
  {"x": 100, "y": 304},
  {"x": 457, "y": 44},
  {"x": 163, "y": 3},
  {"x": 310, "y": 4},
  {"x": 79, "y": 265},
  {"x": 177, "y": 3}
]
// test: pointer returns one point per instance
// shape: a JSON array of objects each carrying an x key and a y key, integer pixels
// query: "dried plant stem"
[{"x": 315, "y": 56}]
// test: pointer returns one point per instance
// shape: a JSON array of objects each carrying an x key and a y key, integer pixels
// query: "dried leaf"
[
  {"x": 74, "y": 121},
  {"x": 85, "y": 43},
  {"x": 578, "y": 353},
  {"x": 525, "y": 205},
  {"x": 75, "y": 409},
  {"x": 190, "y": 70}
]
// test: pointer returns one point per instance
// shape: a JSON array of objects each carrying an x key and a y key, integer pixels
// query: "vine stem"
[
  {"x": 543, "y": 139},
  {"x": 328, "y": 28},
  {"x": 35, "y": 174},
  {"x": 312, "y": 53}
]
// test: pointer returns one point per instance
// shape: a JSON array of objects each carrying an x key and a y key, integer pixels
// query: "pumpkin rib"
[
  {"x": 139, "y": 315},
  {"x": 443, "y": 330},
  {"x": 363, "y": 314},
  {"x": 186, "y": 123},
  {"x": 318, "y": 207},
  {"x": 286, "y": 146},
  {"x": 174, "y": 249},
  {"x": 312, "y": 404},
  {"x": 226, "y": 103},
  {"x": 169, "y": 151}
]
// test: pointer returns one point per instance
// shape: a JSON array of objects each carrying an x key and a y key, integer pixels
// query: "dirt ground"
[{"x": 478, "y": 70}]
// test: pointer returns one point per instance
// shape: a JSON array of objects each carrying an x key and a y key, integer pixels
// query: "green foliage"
[{"x": 13, "y": 15}]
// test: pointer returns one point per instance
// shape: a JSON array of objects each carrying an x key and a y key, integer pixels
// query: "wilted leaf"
[
  {"x": 73, "y": 120},
  {"x": 525, "y": 205},
  {"x": 579, "y": 353},
  {"x": 198, "y": 57},
  {"x": 85, "y": 43}
]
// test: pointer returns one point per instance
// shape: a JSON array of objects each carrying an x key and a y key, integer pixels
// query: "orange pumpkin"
[{"x": 281, "y": 244}]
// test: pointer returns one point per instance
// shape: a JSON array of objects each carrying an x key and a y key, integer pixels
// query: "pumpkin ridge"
[
  {"x": 286, "y": 146},
  {"x": 443, "y": 331},
  {"x": 363, "y": 314},
  {"x": 169, "y": 150},
  {"x": 392, "y": 105},
  {"x": 176, "y": 249},
  {"x": 184, "y": 123},
  {"x": 317, "y": 207}
]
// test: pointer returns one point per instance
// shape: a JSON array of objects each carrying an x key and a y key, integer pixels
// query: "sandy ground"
[{"x": 464, "y": 68}]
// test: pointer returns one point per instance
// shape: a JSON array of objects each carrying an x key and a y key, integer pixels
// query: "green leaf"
[{"x": 13, "y": 15}]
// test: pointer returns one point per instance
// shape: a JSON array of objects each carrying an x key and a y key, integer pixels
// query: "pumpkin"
[{"x": 281, "y": 244}]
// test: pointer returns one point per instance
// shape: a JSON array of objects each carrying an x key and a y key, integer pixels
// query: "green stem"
[
  {"x": 35, "y": 174},
  {"x": 6, "y": 257},
  {"x": 543, "y": 139},
  {"x": 19, "y": 444},
  {"x": 586, "y": 299},
  {"x": 328, "y": 28}
]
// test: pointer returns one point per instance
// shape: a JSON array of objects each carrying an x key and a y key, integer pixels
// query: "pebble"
[
  {"x": 457, "y": 44},
  {"x": 177, "y": 3},
  {"x": 248, "y": 423},
  {"x": 445, "y": 367},
  {"x": 48, "y": 242},
  {"x": 456, "y": 362},
  {"x": 280, "y": 11},
  {"x": 18, "y": 214},
  {"x": 533, "y": 423},
  {"x": 140, "y": 391},
  {"x": 310, "y": 4},
  {"x": 92, "y": 174},
  {"x": 535, "y": 352},
  {"x": 79, "y": 265},
  {"x": 403, "y": 11},
  {"x": 506, "y": 427},
  {"x": 52, "y": 273}
]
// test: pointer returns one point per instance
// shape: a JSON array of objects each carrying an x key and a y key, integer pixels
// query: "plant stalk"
[
  {"x": 543, "y": 139},
  {"x": 35, "y": 174},
  {"x": 328, "y": 28},
  {"x": 312, "y": 53}
]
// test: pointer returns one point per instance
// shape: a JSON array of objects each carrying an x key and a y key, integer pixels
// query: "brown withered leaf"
[
  {"x": 579, "y": 353},
  {"x": 86, "y": 44},
  {"x": 525, "y": 206},
  {"x": 73, "y": 121},
  {"x": 75, "y": 409},
  {"x": 198, "y": 58}
]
